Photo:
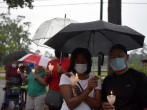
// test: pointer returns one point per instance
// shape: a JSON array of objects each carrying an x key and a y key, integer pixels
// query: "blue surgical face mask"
[
  {"x": 117, "y": 64},
  {"x": 80, "y": 68}
]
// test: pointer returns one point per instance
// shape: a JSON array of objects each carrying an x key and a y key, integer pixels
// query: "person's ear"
[{"x": 127, "y": 57}]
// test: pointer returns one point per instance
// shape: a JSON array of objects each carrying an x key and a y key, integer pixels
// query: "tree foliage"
[
  {"x": 13, "y": 34},
  {"x": 137, "y": 64},
  {"x": 19, "y": 3}
]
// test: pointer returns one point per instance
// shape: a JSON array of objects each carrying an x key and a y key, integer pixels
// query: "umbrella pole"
[
  {"x": 60, "y": 58},
  {"x": 100, "y": 62}
]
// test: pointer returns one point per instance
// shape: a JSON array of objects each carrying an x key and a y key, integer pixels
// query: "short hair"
[
  {"x": 84, "y": 52},
  {"x": 118, "y": 46}
]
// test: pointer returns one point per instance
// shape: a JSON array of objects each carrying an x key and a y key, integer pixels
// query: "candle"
[
  {"x": 18, "y": 70},
  {"x": 50, "y": 67},
  {"x": 74, "y": 79},
  {"x": 111, "y": 98},
  {"x": 25, "y": 73},
  {"x": 33, "y": 71}
]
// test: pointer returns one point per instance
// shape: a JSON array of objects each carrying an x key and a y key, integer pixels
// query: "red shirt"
[{"x": 54, "y": 78}]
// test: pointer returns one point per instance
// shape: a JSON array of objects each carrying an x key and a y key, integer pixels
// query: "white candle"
[
  {"x": 74, "y": 79},
  {"x": 25, "y": 73},
  {"x": 18, "y": 70},
  {"x": 111, "y": 98},
  {"x": 50, "y": 67},
  {"x": 33, "y": 71}
]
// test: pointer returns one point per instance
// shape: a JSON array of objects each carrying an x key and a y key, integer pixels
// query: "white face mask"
[
  {"x": 20, "y": 64},
  {"x": 81, "y": 68},
  {"x": 14, "y": 65}
]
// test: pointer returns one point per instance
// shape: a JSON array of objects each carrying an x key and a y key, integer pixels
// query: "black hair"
[
  {"x": 58, "y": 54},
  {"x": 118, "y": 46},
  {"x": 84, "y": 52}
]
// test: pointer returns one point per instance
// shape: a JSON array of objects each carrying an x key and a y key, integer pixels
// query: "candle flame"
[
  {"x": 111, "y": 92},
  {"x": 18, "y": 69},
  {"x": 33, "y": 70}
]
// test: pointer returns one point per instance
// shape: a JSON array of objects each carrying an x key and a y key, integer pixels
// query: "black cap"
[{"x": 118, "y": 46}]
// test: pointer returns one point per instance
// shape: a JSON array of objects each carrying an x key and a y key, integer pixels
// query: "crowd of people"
[{"x": 128, "y": 85}]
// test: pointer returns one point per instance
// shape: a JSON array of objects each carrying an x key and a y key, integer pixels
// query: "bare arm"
[
  {"x": 74, "y": 101},
  {"x": 96, "y": 101},
  {"x": 41, "y": 80},
  {"x": 71, "y": 100}
]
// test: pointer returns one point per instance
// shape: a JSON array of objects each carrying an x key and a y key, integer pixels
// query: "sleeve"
[
  {"x": 142, "y": 85},
  {"x": 64, "y": 79},
  {"x": 104, "y": 98},
  {"x": 46, "y": 79}
]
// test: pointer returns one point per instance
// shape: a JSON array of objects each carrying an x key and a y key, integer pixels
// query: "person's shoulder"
[
  {"x": 137, "y": 74},
  {"x": 66, "y": 75}
]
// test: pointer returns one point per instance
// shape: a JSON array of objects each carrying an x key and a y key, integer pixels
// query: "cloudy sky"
[{"x": 134, "y": 13}]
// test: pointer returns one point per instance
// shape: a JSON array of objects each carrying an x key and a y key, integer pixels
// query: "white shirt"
[{"x": 83, "y": 106}]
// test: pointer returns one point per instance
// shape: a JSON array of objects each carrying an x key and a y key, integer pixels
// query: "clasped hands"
[{"x": 92, "y": 83}]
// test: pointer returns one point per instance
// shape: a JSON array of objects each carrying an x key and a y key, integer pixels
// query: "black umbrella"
[
  {"x": 14, "y": 56},
  {"x": 97, "y": 36}
]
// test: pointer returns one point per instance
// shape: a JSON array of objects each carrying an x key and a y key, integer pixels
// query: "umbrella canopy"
[
  {"x": 35, "y": 59},
  {"x": 14, "y": 56},
  {"x": 49, "y": 28},
  {"x": 97, "y": 36}
]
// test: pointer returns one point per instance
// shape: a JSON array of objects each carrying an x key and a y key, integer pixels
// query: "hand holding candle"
[
  {"x": 25, "y": 74},
  {"x": 33, "y": 71},
  {"x": 18, "y": 70},
  {"x": 74, "y": 79},
  {"x": 111, "y": 98}
]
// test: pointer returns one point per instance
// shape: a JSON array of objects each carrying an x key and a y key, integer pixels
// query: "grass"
[
  {"x": 2, "y": 69},
  {"x": 103, "y": 73}
]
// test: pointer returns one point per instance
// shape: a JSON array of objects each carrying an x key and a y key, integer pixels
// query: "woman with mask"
[
  {"x": 86, "y": 94},
  {"x": 36, "y": 91},
  {"x": 128, "y": 85},
  {"x": 60, "y": 65},
  {"x": 11, "y": 71}
]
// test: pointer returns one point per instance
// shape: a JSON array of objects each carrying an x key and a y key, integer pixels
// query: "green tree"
[
  {"x": 19, "y": 3},
  {"x": 137, "y": 64},
  {"x": 13, "y": 34}
]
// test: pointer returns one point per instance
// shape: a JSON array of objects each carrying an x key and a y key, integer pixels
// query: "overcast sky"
[{"x": 134, "y": 13}]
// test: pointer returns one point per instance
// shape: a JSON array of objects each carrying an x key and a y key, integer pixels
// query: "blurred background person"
[
  {"x": 36, "y": 91},
  {"x": 60, "y": 66}
]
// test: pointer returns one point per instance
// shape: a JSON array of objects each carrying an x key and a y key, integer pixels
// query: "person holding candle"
[
  {"x": 129, "y": 86},
  {"x": 84, "y": 93},
  {"x": 11, "y": 71},
  {"x": 55, "y": 69},
  {"x": 36, "y": 91},
  {"x": 10, "y": 77}
]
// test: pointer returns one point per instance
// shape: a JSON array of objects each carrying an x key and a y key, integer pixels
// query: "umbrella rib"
[
  {"x": 89, "y": 39},
  {"x": 105, "y": 36}
]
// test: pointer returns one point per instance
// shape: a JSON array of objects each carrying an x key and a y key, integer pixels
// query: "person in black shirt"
[{"x": 128, "y": 85}]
